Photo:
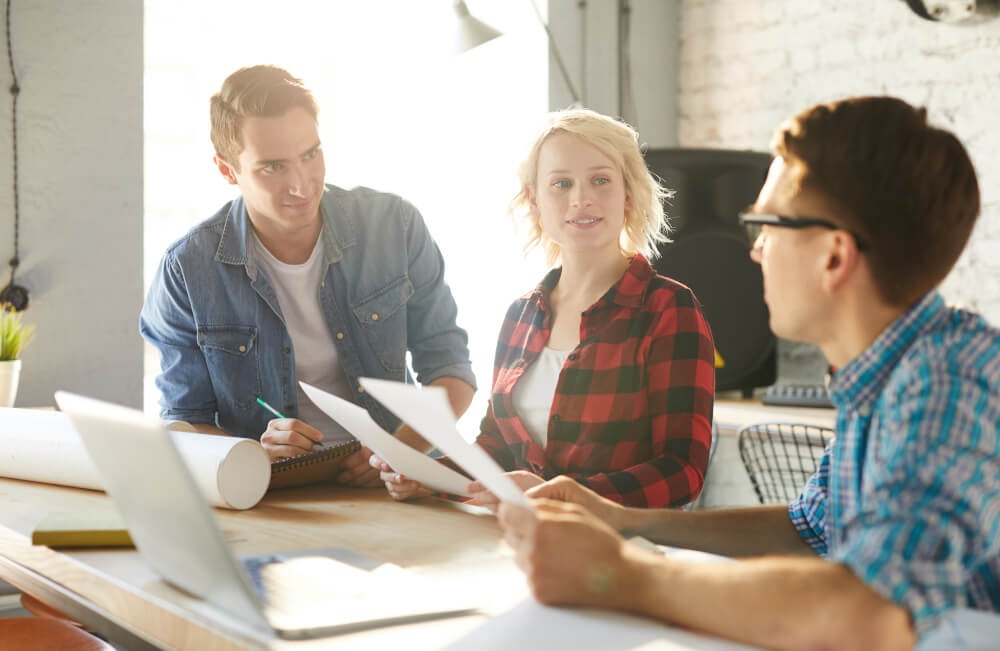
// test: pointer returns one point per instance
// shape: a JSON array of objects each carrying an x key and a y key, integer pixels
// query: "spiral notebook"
[{"x": 319, "y": 465}]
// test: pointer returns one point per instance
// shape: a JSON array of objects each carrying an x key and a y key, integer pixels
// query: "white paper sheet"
[
  {"x": 400, "y": 456},
  {"x": 427, "y": 411}
]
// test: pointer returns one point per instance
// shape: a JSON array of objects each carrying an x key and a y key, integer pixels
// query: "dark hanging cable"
[
  {"x": 14, "y": 92},
  {"x": 14, "y": 294}
]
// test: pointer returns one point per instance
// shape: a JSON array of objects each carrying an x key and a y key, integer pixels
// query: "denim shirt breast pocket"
[
  {"x": 382, "y": 316},
  {"x": 231, "y": 355}
]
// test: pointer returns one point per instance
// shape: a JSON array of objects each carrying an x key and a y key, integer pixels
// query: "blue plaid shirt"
[{"x": 908, "y": 495}]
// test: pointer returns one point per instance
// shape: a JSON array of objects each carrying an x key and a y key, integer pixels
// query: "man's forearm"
[
  {"x": 459, "y": 397},
  {"x": 753, "y": 531},
  {"x": 787, "y": 603},
  {"x": 459, "y": 393}
]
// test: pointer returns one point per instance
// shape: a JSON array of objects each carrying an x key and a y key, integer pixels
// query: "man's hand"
[
  {"x": 289, "y": 437},
  {"x": 483, "y": 497},
  {"x": 399, "y": 487},
  {"x": 568, "y": 556},
  {"x": 355, "y": 470},
  {"x": 565, "y": 489}
]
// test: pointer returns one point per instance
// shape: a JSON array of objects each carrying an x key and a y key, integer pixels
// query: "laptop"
[{"x": 294, "y": 595}]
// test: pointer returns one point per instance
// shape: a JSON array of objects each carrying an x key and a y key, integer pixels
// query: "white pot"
[{"x": 10, "y": 371}]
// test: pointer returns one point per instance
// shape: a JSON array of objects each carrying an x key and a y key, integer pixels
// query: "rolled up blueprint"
[{"x": 43, "y": 446}]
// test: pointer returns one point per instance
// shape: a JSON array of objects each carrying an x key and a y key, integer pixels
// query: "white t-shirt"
[
  {"x": 316, "y": 359},
  {"x": 533, "y": 393}
]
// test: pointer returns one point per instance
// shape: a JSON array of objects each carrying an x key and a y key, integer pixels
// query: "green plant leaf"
[{"x": 15, "y": 335}]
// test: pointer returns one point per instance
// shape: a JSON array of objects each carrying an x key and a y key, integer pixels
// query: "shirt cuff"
[
  {"x": 461, "y": 371},
  {"x": 809, "y": 534}
]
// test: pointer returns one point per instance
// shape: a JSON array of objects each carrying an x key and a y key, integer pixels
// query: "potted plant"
[{"x": 14, "y": 338}]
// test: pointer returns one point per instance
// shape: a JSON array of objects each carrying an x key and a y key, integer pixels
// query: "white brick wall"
[{"x": 745, "y": 65}]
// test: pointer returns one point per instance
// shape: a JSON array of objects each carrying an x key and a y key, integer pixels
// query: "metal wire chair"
[{"x": 780, "y": 457}]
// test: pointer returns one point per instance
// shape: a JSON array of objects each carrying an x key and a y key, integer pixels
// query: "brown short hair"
[
  {"x": 257, "y": 91},
  {"x": 907, "y": 188}
]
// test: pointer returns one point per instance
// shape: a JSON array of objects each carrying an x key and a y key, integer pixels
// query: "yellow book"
[{"x": 83, "y": 529}]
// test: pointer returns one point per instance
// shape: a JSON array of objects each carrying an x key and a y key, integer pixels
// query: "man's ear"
[
  {"x": 842, "y": 261},
  {"x": 225, "y": 169}
]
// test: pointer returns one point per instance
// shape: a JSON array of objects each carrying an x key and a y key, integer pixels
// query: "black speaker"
[{"x": 711, "y": 255}]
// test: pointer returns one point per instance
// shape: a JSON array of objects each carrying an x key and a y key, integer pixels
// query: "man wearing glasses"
[{"x": 865, "y": 210}]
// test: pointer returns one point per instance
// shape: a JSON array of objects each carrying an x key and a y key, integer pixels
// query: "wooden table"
[{"x": 117, "y": 595}]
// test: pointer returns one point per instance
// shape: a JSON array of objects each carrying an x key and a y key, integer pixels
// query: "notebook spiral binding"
[{"x": 335, "y": 450}]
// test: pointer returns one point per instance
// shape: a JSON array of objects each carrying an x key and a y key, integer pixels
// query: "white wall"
[
  {"x": 80, "y": 164},
  {"x": 745, "y": 65},
  {"x": 587, "y": 35}
]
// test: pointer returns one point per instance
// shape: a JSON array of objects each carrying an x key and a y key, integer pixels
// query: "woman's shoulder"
[{"x": 666, "y": 292}]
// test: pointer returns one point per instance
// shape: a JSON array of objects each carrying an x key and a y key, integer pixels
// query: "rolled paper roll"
[
  {"x": 230, "y": 471},
  {"x": 43, "y": 446}
]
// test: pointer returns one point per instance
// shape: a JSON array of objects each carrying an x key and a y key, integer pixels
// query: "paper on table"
[
  {"x": 427, "y": 411},
  {"x": 400, "y": 456},
  {"x": 43, "y": 446}
]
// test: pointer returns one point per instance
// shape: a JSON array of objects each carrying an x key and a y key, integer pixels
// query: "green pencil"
[{"x": 280, "y": 415}]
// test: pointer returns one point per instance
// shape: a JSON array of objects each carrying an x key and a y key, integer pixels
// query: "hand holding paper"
[
  {"x": 400, "y": 456},
  {"x": 427, "y": 411}
]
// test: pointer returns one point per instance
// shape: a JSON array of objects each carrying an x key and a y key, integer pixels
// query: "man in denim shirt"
[
  {"x": 865, "y": 210},
  {"x": 297, "y": 280}
]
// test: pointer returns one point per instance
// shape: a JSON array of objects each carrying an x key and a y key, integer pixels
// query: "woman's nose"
[{"x": 580, "y": 195}]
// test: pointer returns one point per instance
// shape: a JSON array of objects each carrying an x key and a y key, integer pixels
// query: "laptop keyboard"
[
  {"x": 309, "y": 583},
  {"x": 337, "y": 590},
  {"x": 254, "y": 565},
  {"x": 797, "y": 395}
]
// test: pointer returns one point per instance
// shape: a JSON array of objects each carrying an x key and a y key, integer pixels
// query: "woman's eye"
[
  {"x": 562, "y": 184},
  {"x": 601, "y": 180}
]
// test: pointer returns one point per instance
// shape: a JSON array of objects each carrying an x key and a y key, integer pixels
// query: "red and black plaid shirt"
[{"x": 632, "y": 413}]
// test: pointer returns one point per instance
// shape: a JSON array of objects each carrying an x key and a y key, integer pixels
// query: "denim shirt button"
[
  {"x": 374, "y": 316},
  {"x": 340, "y": 335},
  {"x": 243, "y": 349},
  {"x": 361, "y": 389},
  {"x": 288, "y": 350}
]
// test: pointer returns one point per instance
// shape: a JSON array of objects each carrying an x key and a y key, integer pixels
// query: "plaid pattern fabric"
[
  {"x": 632, "y": 413},
  {"x": 908, "y": 495}
]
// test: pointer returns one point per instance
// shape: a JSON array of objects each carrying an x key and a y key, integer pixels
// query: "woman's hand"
[{"x": 399, "y": 487}]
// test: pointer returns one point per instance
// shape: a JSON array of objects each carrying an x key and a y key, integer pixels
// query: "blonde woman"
[{"x": 605, "y": 371}]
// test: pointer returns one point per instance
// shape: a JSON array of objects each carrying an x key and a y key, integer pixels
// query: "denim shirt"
[{"x": 214, "y": 317}]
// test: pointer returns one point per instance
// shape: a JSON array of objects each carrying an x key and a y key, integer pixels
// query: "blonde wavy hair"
[{"x": 646, "y": 223}]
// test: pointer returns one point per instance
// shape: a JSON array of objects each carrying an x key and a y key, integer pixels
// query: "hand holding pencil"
[{"x": 288, "y": 437}]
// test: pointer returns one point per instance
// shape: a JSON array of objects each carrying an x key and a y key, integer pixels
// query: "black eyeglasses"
[{"x": 753, "y": 223}]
